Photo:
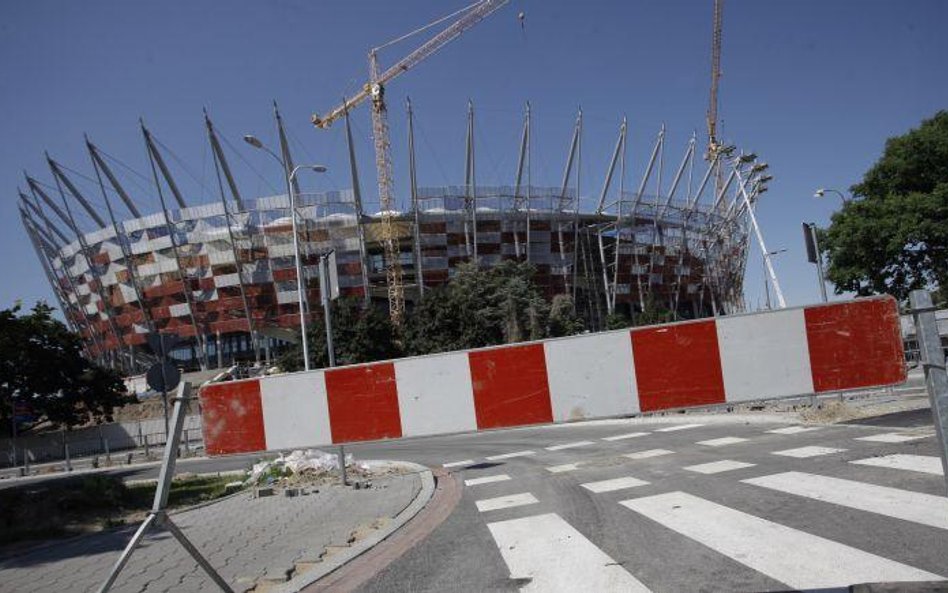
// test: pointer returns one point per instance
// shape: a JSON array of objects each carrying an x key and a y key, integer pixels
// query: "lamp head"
[{"x": 253, "y": 141}]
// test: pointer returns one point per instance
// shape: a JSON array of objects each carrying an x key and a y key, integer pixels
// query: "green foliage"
[
  {"x": 478, "y": 307},
  {"x": 653, "y": 314},
  {"x": 895, "y": 238},
  {"x": 563, "y": 318},
  {"x": 41, "y": 364},
  {"x": 617, "y": 321},
  {"x": 359, "y": 335}
]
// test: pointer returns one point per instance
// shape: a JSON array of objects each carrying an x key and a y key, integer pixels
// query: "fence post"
[
  {"x": 108, "y": 454},
  {"x": 68, "y": 461},
  {"x": 932, "y": 359},
  {"x": 342, "y": 465},
  {"x": 26, "y": 460},
  {"x": 147, "y": 452}
]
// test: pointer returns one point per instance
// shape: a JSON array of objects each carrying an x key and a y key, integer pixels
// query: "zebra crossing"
[{"x": 545, "y": 551}]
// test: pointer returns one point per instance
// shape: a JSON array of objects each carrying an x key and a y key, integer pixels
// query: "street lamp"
[
  {"x": 764, "y": 266},
  {"x": 300, "y": 285},
  {"x": 822, "y": 191}
]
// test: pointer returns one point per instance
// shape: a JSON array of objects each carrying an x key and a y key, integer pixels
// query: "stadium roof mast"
[{"x": 375, "y": 89}]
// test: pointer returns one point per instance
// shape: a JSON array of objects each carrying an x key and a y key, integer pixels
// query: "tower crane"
[
  {"x": 374, "y": 89},
  {"x": 713, "y": 145}
]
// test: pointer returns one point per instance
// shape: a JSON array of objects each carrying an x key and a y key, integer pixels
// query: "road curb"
[{"x": 343, "y": 557}]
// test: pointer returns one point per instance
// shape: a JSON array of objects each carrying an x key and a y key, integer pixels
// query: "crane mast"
[
  {"x": 713, "y": 144},
  {"x": 374, "y": 89},
  {"x": 383, "y": 166}
]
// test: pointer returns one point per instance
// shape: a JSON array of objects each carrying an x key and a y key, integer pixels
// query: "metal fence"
[{"x": 102, "y": 440}]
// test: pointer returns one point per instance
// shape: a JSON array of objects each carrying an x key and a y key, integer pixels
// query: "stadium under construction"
[
  {"x": 222, "y": 275},
  {"x": 235, "y": 277}
]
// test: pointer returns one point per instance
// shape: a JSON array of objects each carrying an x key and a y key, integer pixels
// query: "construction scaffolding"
[{"x": 222, "y": 275}]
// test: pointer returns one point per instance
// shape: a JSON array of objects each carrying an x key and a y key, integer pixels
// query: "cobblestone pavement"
[{"x": 247, "y": 540}]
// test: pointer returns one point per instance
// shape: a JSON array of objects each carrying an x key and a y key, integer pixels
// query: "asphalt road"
[
  {"x": 812, "y": 523},
  {"x": 596, "y": 514}
]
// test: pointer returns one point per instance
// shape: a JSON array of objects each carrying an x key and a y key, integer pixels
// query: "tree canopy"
[
  {"x": 359, "y": 335},
  {"x": 894, "y": 237},
  {"x": 42, "y": 370},
  {"x": 478, "y": 307},
  {"x": 482, "y": 307}
]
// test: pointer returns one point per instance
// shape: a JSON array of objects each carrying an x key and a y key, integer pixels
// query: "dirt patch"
[
  {"x": 831, "y": 412},
  {"x": 86, "y": 504}
]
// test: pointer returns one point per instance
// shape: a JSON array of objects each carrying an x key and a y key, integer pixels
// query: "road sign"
[
  {"x": 163, "y": 376},
  {"x": 328, "y": 262},
  {"x": 809, "y": 239}
]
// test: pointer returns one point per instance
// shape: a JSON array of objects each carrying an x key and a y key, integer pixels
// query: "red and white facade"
[{"x": 782, "y": 353}]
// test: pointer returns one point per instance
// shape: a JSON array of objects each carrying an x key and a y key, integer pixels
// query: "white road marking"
[
  {"x": 509, "y": 455},
  {"x": 566, "y": 467},
  {"x": 914, "y": 463},
  {"x": 721, "y": 441},
  {"x": 648, "y": 453},
  {"x": 716, "y": 467},
  {"x": 614, "y": 484},
  {"x": 569, "y": 445},
  {"x": 678, "y": 427},
  {"x": 558, "y": 558},
  {"x": 926, "y": 509},
  {"x": 457, "y": 463},
  {"x": 505, "y": 502},
  {"x": 804, "y": 452},
  {"x": 893, "y": 437},
  {"x": 622, "y": 437},
  {"x": 795, "y": 558},
  {"x": 487, "y": 480},
  {"x": 793, "y": 429}
]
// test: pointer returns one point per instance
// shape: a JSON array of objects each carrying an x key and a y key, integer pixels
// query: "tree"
[
  {"x": 478, "y": 307},
  {"x": 359, "y": 335},
  {"x": 563, "y": 318},
  {"x": 894, "y": 238},
  {"x": 42, "y": 368}
]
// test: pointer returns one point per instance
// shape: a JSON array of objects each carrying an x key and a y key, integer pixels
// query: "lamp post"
[
  {"x": 822, "y": 192},
  {"x": 300, "y": 284},
  {"x": 764, "y": 265}
]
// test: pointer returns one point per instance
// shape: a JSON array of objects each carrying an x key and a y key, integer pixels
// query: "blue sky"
[{"x": 813, "y": 86}]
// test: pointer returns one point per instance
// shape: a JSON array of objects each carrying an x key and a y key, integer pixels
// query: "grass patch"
[{"x": 71, "y": 506}]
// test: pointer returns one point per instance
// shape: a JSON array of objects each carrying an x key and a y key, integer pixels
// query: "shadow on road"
[{"x": 906, "y": 419}]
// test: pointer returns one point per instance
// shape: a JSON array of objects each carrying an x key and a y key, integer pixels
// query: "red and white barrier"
[{"x": 788, "y": 352}]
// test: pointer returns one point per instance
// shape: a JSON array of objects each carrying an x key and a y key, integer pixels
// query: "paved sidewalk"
[{"x": 249, "y": 541}]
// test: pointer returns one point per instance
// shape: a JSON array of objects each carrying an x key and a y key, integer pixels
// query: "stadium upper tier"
[{"x": 223, "y": 274}]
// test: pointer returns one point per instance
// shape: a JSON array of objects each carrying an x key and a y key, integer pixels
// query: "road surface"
[{"x": 696, "y": 505}]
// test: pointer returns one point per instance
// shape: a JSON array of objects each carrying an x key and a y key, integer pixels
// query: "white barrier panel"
[
  {"x": 591, "y": 376},
  {"x": 764, "y": 356}
]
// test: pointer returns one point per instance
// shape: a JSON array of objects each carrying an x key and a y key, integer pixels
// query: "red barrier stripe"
[
  {"x": 510, "y": 386},
  {"x": 855, "y": 344},
  {"x": 363, "y": 403},
  {"x": 233, "y": 417},
  {"x": 677, "y": 365}
]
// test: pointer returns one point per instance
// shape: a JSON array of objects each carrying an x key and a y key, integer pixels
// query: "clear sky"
[{"x": 813, "y": 86}]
